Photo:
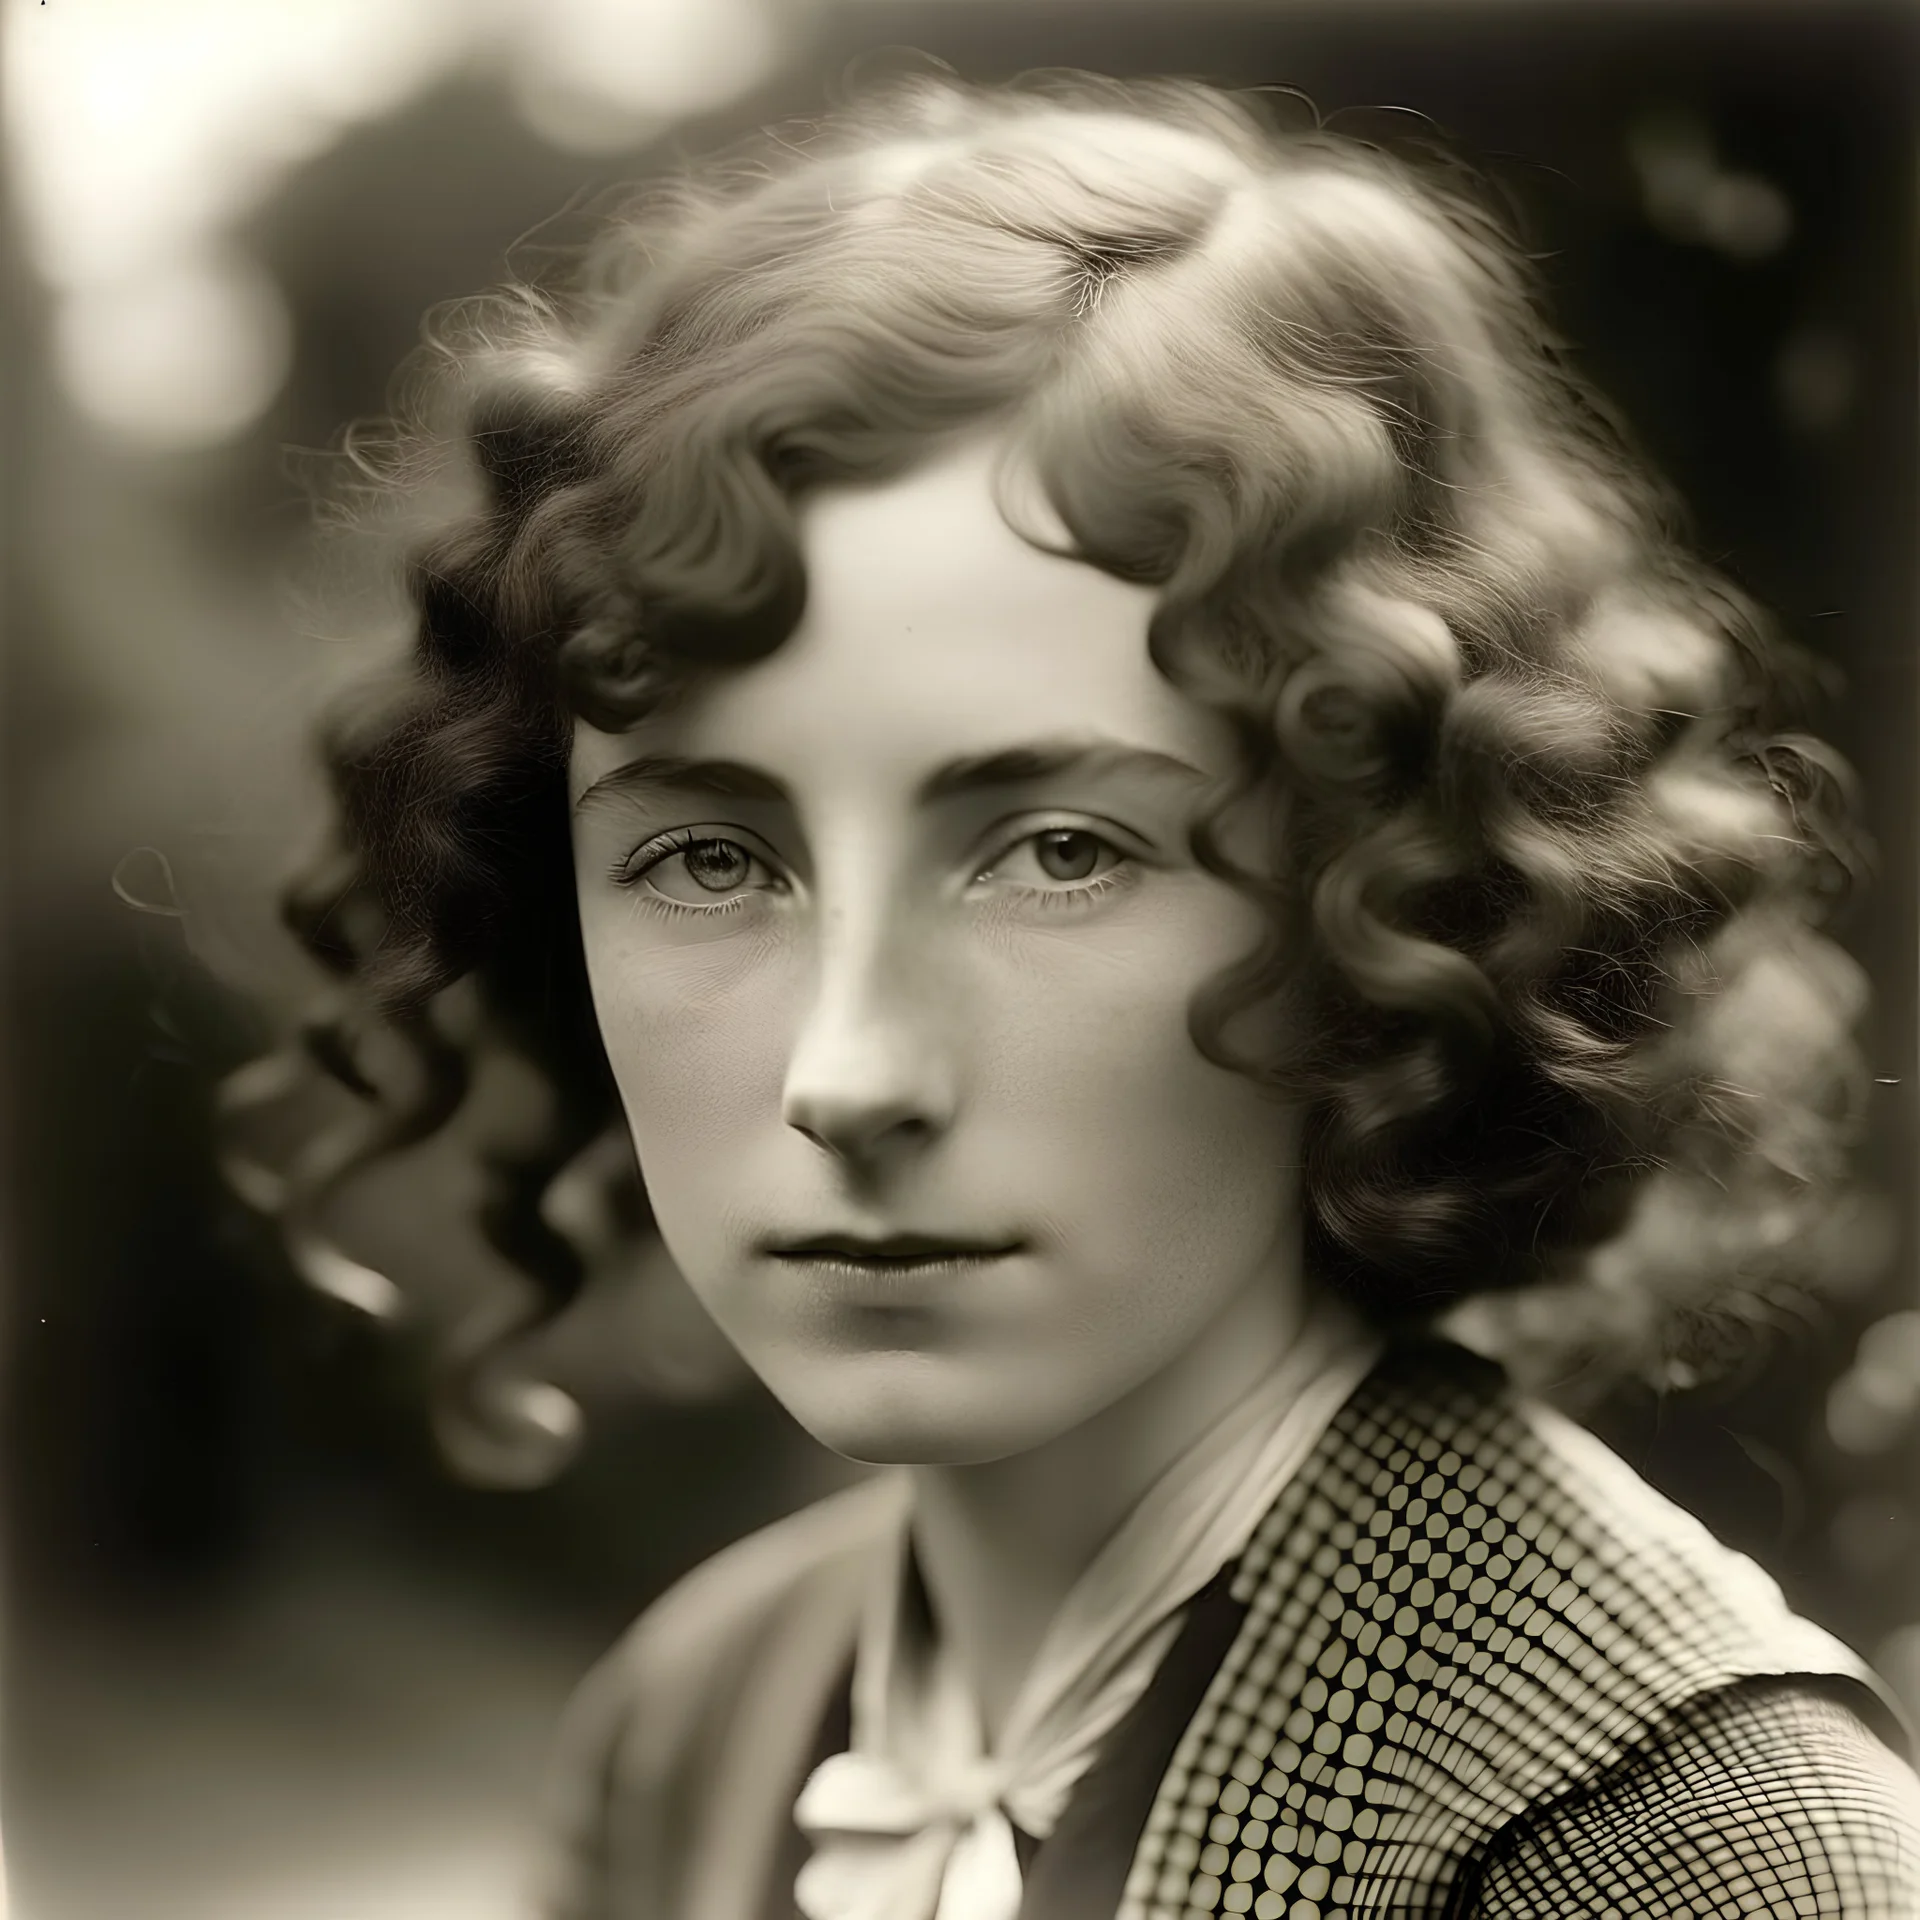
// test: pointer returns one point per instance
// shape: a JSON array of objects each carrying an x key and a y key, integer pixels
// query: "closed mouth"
[{"x": 895, "y": 1250}]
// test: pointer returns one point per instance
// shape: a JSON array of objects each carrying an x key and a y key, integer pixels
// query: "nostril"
[{"x": 851, "y": 1136}]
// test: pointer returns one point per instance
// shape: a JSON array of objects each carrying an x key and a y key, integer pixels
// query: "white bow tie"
[{"x": 887, "y": 1844}]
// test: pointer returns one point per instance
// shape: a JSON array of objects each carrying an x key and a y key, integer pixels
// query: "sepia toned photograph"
[{"x": 961, "y": 960}]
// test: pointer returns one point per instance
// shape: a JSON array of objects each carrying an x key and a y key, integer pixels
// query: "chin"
[{"x": 906, "y": 1420}]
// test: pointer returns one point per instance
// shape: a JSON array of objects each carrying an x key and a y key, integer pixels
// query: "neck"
[{"x": 1001, "y": 1544}]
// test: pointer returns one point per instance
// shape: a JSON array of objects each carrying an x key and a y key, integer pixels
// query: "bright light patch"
[
  {"x": 186, "y": 355},
  {"x": 136, "y": 129},
  {"x": 139, "y": 136},
  {"x": 594, "y": 75}
]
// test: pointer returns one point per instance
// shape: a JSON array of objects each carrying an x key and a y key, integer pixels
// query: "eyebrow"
[{"x": 1011, "y": 766}]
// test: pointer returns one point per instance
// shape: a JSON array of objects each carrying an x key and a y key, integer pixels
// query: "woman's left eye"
[{"x": 1057, "y": 859}]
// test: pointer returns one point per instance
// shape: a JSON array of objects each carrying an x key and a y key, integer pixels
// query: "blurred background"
[{"x": 265, "y": 1655}]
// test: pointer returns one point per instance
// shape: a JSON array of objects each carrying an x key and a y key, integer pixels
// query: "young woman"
[{"x": 1053, "y": 698}]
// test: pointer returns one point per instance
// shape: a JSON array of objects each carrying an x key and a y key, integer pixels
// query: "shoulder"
[
  {"x": 1768, "y": 1796},
  {"x": 1464, "y": 1612},
  {"x": 1572, "y": 1533},
  {"x": 643, "y": 1725},
  {"x": 705, "y": 1622},
  {"x": 693, "y": 1639}
]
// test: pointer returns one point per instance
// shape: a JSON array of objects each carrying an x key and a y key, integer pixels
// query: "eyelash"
[
  {"x": 633, "y": 868},
  {"x": 630, "y": 871}
]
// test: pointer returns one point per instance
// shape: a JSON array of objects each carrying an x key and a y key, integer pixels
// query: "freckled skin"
[{"x": 892, "y": 1016}]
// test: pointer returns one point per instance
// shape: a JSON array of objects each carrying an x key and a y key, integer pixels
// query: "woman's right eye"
[{"x": 698, "y": 872}]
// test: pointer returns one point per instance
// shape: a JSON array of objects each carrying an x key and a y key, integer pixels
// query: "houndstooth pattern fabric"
[{"x": 1465, "y": 1649}]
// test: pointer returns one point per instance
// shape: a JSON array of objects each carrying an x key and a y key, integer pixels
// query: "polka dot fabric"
[{"x": 1458, "y": 1621}]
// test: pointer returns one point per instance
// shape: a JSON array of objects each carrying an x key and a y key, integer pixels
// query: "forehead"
[{"x": 933, "y": 629}]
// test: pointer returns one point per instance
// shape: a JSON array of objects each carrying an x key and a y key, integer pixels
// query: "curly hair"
[{"x": 1565, "y": 1026}]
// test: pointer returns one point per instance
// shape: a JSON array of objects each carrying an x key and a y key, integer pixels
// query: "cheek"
[
  {"x": 1108, "y": 1107},
  {"x": 697, "y": 1038},
  {"x": 1106, "y": 1037}
]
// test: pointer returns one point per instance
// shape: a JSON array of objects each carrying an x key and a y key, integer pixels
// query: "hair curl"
[{"x": 1562, "y": 1016}]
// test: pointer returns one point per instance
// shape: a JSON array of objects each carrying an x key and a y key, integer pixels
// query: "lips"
[{"x": 899, "y": 1249}]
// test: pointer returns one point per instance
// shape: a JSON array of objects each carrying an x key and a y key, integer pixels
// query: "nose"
[{"x": 870, "y": 1074}]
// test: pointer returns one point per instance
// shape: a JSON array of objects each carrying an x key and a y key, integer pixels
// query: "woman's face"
[{"x": 893, "y": 934}]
